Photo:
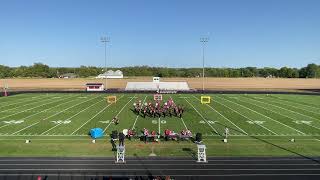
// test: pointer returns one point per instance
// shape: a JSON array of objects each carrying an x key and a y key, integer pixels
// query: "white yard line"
[
  {"x": 294, "y": 106},
  {"x": 135, "y": 121},
  {"x": 4, "y": 126},
  {"x": 313, "y": 126},
  {"x": 45, "y": 109},
  {"x": 227, "y": 119},
  {"x": 41, "y": 112},
  {"x": 223, "y": 117},
  {"x": 29, "y": 108},
  {"x": 317, "y": 109},
  {"x": 21, "y": 101},
  {"x": 184, "y": 124},
  {"x": 202, "y": 117},
  {"x": 246, "y": 117},
  {"x": 25, "y": 128},
  {"x": 118, "y": 113},
  {"x": 102, "y": 110},
  {"x": 59, "y": 112},
  {"x": 50, "y": 129},
  {"x": 290, "y": 111},
  {"x": 45, "y": 135},
  {"x": 27, "y": 104},
  {"x": 277, "y": 113},
  {"x": 264, "y": 116},
  {"x": 76, "y": 113}
]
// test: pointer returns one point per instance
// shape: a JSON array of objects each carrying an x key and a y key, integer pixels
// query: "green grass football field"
[{"x": 260, "y": 124}]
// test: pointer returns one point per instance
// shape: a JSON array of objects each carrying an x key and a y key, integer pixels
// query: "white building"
[{"x": 111, "y": 75}]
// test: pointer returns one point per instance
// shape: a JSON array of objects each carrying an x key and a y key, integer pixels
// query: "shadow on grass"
[
  {"x": 190, "y": 152},
  {"x": 270, "y": 143}
]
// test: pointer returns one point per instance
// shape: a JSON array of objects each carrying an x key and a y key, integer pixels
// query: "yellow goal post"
[
  {"x": 205, "y": 99},
  {"x": 111, "y": 99}
]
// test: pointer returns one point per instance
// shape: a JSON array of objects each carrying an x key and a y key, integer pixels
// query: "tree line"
[{"x": 44, "y": 71}]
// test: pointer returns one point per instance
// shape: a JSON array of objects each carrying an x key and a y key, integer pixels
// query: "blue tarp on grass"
[{"x": 96, "y": 133}]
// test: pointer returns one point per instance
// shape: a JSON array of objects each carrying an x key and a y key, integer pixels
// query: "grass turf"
[{"x": 260, "y": 125}]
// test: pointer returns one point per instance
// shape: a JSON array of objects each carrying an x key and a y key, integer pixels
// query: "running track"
[{"x": 149, "y": 168}]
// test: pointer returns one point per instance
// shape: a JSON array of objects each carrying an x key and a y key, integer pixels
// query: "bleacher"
[{"x": 154, "y": 86}]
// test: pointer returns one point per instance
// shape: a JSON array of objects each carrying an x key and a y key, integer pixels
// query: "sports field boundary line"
[
  {"x": 223, "y": 117},
  {"x": 246, "y": 117},
  {"x": 76, "y": 113},
  {"x": 276, "y": 113},
  {"x": 290, "y": 111},
  {"x": 119, "y": 112},
  {"x": 29, "y": 108},
  {"x": 135, "y": 121},
  {"x": 203, "y": 118},
  {"x": 265, "y": 116},
  {"x": 102, "y": 110}
]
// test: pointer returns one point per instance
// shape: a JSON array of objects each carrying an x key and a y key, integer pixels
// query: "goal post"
[
  {"x": 111, "y": 99},
  {"x": 205, "y": 99}
]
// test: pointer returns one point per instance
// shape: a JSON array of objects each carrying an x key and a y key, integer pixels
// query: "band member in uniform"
[
  {"x": 146, "y": 134},
  {"x": 116, "y": 120}
]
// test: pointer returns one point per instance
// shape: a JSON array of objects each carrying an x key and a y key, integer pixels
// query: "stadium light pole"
[
  {"x": 203, "y": 40},
  {"x": 105, "y": 40}
]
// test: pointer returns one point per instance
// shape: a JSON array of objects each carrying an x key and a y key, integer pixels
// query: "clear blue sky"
[{"x": 242, "y": 33}]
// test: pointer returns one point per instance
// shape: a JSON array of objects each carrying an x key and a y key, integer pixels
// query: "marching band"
[{"x": 155, "y": 109}]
